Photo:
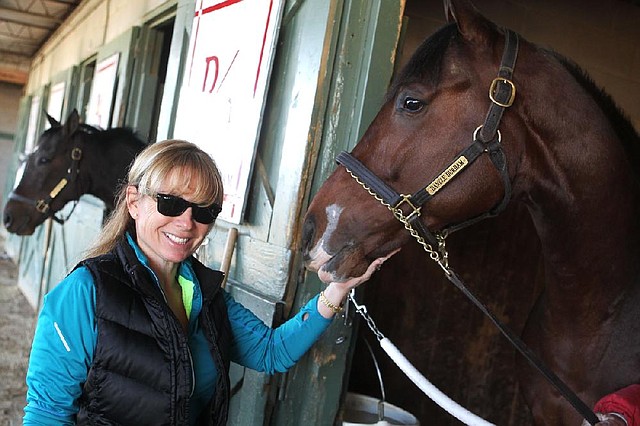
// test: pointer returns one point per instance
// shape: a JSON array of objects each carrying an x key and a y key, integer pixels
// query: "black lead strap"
[
  {"x": 530, "y": 356},
  {"x": 486, "y": 139}
]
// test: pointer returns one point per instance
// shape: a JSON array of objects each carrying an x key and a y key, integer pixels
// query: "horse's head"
[
  {"x": 414, "y": 146},
  {"x": 48, "y": 176}
]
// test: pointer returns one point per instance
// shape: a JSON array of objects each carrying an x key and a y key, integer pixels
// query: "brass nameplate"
[
  {"x": 447, "y": 175},
  {"x": 55, "y": 191}
]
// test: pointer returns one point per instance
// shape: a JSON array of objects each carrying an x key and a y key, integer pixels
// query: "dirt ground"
[{"x": 17, "y": 321}]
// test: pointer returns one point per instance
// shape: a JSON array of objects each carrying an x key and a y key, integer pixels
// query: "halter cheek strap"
[{"x": 502, "y": 91}]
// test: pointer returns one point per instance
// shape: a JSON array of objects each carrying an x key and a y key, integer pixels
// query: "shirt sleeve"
[
  {"x": 62, "y": 351},
  {"x": 261, "y": 348},
  {"x": 626, "y": 402}
]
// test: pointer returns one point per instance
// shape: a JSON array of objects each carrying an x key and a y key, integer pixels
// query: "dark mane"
[
  {"x": 116, "y": 133},
  {"x": 619, "y": 121},
  {"x": 112, "y": 134},
  {"x": 119, "y": 133},
  {"x": 50, "y": 131},
  {"x": 431, "y": 52}
]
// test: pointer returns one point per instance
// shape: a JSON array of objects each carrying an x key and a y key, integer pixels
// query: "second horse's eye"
[{"x": 412, "y": 104}]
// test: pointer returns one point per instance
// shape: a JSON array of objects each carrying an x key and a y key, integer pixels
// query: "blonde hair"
[{"x": 176, "y": 160}]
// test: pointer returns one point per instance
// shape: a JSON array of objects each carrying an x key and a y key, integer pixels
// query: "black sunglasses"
[{"x": 172, "y": 206}]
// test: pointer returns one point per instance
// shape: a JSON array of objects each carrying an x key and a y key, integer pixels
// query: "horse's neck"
[
  {"x": 106, "y": 167},
  {"x": 585, "y": 205}
]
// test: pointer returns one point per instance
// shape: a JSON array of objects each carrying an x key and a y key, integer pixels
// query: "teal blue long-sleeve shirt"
[{"x": 65, "y": 339}]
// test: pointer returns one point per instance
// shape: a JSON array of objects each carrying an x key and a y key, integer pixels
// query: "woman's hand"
[{"x": 333, "y": 297}]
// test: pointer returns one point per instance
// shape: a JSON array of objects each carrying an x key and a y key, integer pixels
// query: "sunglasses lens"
[
  {"x": 203, "y": 215},
  {"x": 169, "y": 205},
  {"x": 172, "y": 206}
]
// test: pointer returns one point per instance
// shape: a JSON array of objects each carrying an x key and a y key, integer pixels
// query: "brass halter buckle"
[
  {"x": 494, "y": 89},
  {"x": 42, "y": 206},
  {"x": 76, "y": 154},
  {"x": 399, "y": 214}
]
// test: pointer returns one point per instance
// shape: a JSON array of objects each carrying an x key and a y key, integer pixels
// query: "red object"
[{"x": 626, "y": 401}]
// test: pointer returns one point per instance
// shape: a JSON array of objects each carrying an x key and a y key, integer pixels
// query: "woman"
[{"x": 140, "y": 332}]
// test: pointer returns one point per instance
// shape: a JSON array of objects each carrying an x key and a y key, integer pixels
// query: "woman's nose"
[{"x": 186, "y": 217}]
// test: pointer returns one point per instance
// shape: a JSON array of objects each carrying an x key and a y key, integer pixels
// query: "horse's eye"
[
  {"x": 412, "y": 104},
  {"x": 43, "y": 160}
]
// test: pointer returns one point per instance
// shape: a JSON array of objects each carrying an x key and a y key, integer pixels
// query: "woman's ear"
[{"x": 133, "y": 197}]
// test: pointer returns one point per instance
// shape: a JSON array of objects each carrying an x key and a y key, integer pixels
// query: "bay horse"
[
  {"x": 70, "y": 160},
  {"x": 559, "y": 146}
]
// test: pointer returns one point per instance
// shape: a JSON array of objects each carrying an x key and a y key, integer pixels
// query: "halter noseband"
[
  {"x": 486, "y": 139},
  {"x": 43, "y": 205}
]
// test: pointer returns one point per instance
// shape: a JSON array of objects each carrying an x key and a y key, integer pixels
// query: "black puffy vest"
[{"x": 142, "y": 372}]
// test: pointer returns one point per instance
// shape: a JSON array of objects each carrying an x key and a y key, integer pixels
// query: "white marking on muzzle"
[{"x": 318, "y": 254}]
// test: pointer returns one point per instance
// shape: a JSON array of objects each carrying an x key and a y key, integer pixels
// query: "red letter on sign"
[{"x": 206, "y": 73}]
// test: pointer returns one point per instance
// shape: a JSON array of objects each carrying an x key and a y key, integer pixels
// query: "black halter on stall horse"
[
  {"x": 70, "y": 160},
  {"x": 563, "y": 149}
]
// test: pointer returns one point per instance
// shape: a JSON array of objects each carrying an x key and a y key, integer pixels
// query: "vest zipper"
[{"x": 193, "y": 373}]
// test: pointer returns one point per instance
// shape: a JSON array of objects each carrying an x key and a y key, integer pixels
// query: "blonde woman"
[{"x": 141, "y": 332}]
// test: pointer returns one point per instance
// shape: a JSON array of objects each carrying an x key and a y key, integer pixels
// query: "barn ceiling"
[{"x": 25, "y": 25}]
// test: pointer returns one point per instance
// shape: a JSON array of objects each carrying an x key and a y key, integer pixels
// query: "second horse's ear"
[
  {"x": 474, "y": 27},
  {"x": 72, "y": 123},
  {"x": 52, "y": 121}
]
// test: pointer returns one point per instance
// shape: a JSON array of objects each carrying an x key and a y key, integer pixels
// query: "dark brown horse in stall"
[
  {"x": 560, "y": 147},
  {"x": 70, "y": 160}
]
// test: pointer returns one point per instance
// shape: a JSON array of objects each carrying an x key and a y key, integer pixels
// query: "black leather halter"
[
  {"x": 486, "y": 140},
  {"x": 43, "y": 205}
]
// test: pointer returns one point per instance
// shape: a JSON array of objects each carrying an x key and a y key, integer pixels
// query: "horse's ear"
[
  {"x": 72, "y": 123},
  {"x": 52, "y": 121},
  {"x": 471, "y": 24}
]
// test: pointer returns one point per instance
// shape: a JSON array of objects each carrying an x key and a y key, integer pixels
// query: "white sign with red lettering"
[
  {"x": 102, "y": 90},
  {"x": 56, "y": 102},
  {"x": 32, "y": 129},
  {"x": 223, "y": 90}
]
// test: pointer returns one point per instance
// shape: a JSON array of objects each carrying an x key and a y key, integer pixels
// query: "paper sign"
[{"x": 223, "y": 90}]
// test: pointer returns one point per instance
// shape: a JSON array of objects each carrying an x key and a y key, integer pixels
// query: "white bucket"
[{"x": 363, "y": 410}]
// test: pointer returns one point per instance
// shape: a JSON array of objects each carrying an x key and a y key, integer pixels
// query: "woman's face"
[{"x": 166, "y": 240}]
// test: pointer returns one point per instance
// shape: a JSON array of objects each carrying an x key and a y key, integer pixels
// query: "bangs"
[
  {"x": 180, "y": 170},
  {"x": 206, "y": 192}
]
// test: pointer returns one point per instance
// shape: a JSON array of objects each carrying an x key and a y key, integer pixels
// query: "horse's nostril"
[
  {"x": 308, "y": 231},
  {"x": 7, "y": 220}
]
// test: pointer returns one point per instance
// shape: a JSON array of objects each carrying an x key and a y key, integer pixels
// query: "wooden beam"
[
  {"x": 69, "y": 2},
  {"x": 20, "y": 42},
  {"x": 30, "y": 19},
  {"x": 13, "y": 76}
]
